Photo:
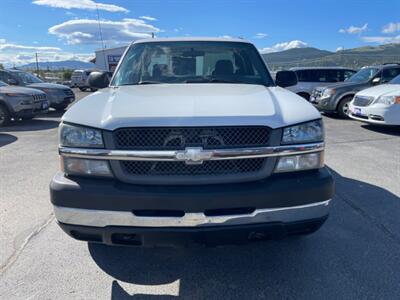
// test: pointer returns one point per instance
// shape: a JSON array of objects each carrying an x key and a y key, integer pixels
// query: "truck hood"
[
  {"x": 45, "y": 85},
  {"x": 20, "y": 90},
  {"x": 191, "y": 105},
  {"x": 381, "y": 90}
]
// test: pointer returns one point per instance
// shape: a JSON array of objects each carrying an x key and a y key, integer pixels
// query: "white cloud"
[
  {"x": 81, "y": 4},
  {"x": 148, "y": 18},
  {"x": 2, "y": 41},
  {"x": 226, "y": 36},
  {"x": 381, "y": 39},
  {"x": 86, "y": 31},
  {"x": 354, "y": 29},
  {"x": 260, "y": 35},
  {"x": 284, "y": 46},
  {"x": 339, "y": 49},
  {"x": 14, "y": 47},
  {"x": 391, "y": 27}
]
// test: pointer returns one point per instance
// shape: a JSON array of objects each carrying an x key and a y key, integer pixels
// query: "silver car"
[
  {"x": 60, "y": 96},
  {"x": 312, "y": 77},
  {"x": 20, "y": 103}
]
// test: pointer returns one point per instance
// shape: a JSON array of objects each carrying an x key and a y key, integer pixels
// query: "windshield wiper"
[
  {"x": 148, "y": 82},
  {"x": 210, "y": 80}
]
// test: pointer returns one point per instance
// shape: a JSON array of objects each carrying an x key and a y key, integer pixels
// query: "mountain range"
[
  {"x": 351, "y": 58},
  {"x": 59, "y": 65}
]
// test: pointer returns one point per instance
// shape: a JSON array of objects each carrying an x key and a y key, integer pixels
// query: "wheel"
[
  {"x": 305, "y": 96},
  {"x": 4, "y": 115},
  {"x": 343, "y": 107},
  {"x": 83, "y": 89}
]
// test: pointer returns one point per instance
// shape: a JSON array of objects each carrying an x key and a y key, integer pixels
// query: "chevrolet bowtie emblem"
[{"x": 194, "y": 155}]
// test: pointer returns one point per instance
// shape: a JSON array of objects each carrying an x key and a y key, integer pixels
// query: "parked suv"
[
  {"x": 20, "y": 103},
  {"x": 59, "y": 96},
  {"x": 336, "y": 98},
  {"x": 312, "y": 77},
  {"x": 79, "y": 79},
  {"x": 191, "y": 142}
]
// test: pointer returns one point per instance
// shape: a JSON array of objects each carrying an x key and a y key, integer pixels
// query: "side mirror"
[
  {"x": 12, "y": 81},
  {"x": 99, "y": 80},
  {"x": 286, "y": 78},
  {"x": 376, "y": 80}
]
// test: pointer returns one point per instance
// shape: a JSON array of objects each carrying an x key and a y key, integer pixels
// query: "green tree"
[
  {"x": 67, "y": 74},
  {"x": 1, "y": 67}
]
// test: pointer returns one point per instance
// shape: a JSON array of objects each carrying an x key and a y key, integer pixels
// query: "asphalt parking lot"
[{"x": 356, "y": 255}]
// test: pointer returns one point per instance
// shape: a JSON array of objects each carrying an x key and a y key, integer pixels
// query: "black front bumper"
[
  {"x": 280, "y": 190},
  {"x": 208, "y": 236}
]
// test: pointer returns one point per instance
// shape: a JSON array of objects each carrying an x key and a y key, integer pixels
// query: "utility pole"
[
  {"x": 101, "y": 38},
  {"x": 37, "y": 65}
]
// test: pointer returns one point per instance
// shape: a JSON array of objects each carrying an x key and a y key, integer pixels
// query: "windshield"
[
  {"x": 395, "y": 80},
  {"x": 192, "y": 62},
  {"x": 27, "y": 78},
  {"x": 363, "y": 75},
  {"x": 3, "y": 83}
]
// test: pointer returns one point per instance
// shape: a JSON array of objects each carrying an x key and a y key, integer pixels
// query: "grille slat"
[
  {"x": 178, "y": 138},
  {"x": 213, "y": 168}
]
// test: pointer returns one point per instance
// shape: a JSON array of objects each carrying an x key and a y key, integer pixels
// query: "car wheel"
[
  {"x": 4, "y": 116},
  {"x": 305, "y": 96},
  {"x": 343, "y": 107}
]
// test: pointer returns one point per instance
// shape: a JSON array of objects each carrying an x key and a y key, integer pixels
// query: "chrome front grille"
[
  {"x": 183, "y": 168},
  {"x": 177, "y": 138},
  {"x": 68, "y": 92},
  {"x": 39, "y": 97},
  {"x": 362, "y": 100},
  {"x": 216, "y": 167}
]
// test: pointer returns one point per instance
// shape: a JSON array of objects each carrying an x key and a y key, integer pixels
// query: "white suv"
[{"x": 192, "y": 141}]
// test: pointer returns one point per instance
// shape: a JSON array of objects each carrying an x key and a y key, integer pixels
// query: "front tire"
[
  {"x": 4, "y": 116},
  {"x": 343, "y": 107}
]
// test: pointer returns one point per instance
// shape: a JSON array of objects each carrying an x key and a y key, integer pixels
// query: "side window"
[
  {"x": 303, "y": 75},
  {"x": 5, "y": 77},
  {"x": 347, "y": 74},
  {"x": 333, "y": 76},
  {"x": 389, "y": 74}
]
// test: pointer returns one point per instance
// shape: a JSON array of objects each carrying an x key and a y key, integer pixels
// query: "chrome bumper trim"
[
  {"x": 102, "y": 218},
  {"x": 185, "y": 155}
]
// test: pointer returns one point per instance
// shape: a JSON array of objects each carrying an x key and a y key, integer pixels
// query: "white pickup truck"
[{"x": 191, "y": 141}]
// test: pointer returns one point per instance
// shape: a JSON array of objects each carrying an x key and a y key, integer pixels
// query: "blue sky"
[{"x": 68, "y": 29}]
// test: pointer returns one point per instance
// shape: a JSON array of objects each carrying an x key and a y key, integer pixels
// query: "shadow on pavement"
[
  {"x": 388, "y": 130},
  {"x": 31, "y": 125},
  {"x": 6, "y": 139},
  {"x": 339, "y": 261}
]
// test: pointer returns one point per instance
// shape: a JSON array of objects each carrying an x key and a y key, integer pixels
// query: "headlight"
[
  {"x": 328, "y": 93},
  {"x": 304, "y": 133},
  {"x": 388, "y": 100},
  {"x": 78, "y": 166},
  {"x": 300, "y": 162},
  {"x": 16, "y": 95},
  {"x": 77, "y": 136}
]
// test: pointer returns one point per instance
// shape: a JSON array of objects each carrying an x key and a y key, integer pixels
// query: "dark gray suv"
[
  {"x": 336, "y": 98},
  {"x": 59, "y": 96}
]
